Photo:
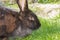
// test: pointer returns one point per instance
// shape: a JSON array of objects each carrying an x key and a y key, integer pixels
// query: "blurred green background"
[{"x": 31, "y": 1}]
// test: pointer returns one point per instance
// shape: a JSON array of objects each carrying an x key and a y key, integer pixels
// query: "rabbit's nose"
[{"x": 34, "y": 28}]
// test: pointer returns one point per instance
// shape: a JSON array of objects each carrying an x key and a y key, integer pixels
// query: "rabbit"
[{"x": 17, "y": 24}]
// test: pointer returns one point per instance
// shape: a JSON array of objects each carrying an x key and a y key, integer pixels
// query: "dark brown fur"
[
  {"x": 19, "y": 24},
  {"x": 8, "y": 19}
]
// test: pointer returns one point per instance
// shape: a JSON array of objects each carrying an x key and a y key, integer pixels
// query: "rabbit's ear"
[{"x": 23, "y": 4}]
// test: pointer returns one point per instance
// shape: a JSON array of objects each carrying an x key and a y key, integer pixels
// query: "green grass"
[
  {"x": 49, "y": 1},
  {"x": 12, "y": 6}
]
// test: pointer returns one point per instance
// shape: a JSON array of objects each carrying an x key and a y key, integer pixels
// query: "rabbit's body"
[
  {"x": 17, "y": 24},
  {"x": 7, "y": 21}
]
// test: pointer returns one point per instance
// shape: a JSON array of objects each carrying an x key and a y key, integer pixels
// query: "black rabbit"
[{"x": 17, "y": 24}]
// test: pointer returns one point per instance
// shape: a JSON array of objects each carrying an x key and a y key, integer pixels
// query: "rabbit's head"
[{"x": 28, "y": 18}]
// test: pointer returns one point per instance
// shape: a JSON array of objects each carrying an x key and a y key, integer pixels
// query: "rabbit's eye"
[
  {"x": 20, "y": 18},
  {"x": 31, "y": 18}
]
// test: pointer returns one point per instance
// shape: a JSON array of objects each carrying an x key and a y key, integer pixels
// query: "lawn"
[{"x": 49, "y": 30}]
